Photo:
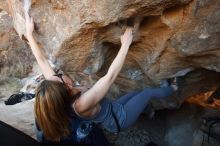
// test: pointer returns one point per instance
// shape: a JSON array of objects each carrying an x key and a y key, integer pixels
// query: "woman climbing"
[{"x": 59, "y": 105}]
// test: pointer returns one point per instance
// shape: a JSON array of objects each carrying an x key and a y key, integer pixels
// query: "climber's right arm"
[
  {"x": 90, "y": 99},
  {"x": 46, "y": 68}
]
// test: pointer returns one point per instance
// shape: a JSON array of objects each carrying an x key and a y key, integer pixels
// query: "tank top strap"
[{"x": 60, "y": 76}]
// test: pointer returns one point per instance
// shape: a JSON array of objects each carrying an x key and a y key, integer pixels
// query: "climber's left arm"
[{"x": 42, "y": 61}]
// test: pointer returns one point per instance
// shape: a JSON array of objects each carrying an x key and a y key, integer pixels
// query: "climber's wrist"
[
  {"x": 29, "y": 37},
  {"x": 125, "y": 46}
]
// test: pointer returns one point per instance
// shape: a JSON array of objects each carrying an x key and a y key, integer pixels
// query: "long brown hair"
[{"x": 52, "y": 107}]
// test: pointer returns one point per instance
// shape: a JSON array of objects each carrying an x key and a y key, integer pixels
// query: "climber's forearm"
[
  {"x": 103, "y": 85},
  {"x": 117, "y": 63},
  {"x": 41, "y": 59}
]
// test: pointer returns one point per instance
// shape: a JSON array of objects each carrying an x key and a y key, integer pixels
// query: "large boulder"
[
  {"x": 82, "y": 37},
  {"x": 175, "y": 38}
]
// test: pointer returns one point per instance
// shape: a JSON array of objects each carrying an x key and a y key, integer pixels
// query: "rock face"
[
  {"x": 175, "y": 37},
  {"x": 16, "y": 59}
]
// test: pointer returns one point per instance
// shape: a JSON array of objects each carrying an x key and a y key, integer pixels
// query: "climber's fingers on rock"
[
  {"x": 30, "y": 22},
  {"x": 29, "y": 26},
  {"x": 28, "y": 18},
  {"x": 129, "y": 29}
]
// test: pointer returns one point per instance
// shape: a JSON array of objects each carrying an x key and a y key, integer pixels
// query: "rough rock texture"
[
  {"x": 175, "y": 37},
  {"x": 16, "y": 59}
]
